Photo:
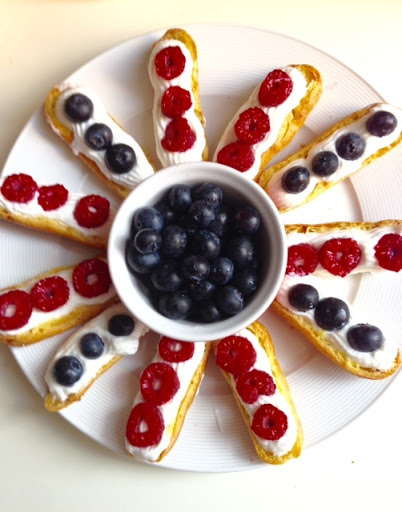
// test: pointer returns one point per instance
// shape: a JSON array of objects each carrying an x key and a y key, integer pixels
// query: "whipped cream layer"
[
  {"x": 142, "y": 168},
  {"x": 276, "y": 115},
  {"x": 160, "y": 121},
  {"x": 285, "y": 200}
]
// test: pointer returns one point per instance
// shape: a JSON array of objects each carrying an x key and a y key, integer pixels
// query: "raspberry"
[
  {"x": 92, "y": 211},
  {"x": 275, "y": 89},
  {"x": 91, "y": 278},
  {"x": 175, "y": 101},
  {"x": 179, "y": 136},
  {"x": 19, "y": 188},
  {"x": 252, "y": 126},
  {"x": 145, "y": 425},
  {"x": 269, "y": 423},
  {"x": 159, "y": 383},
  {"x": 52, "y": 197},
  {"x": 50, "y": 293},
  {"x": 252, "y": 384},
  {"x": 388, "y": 252},
  {"x": 15, "y": 310},
  {"x": 302, "y": 260},
  {"x": 238, "y": 155},
  {"x": 340, "y": 256},
  {"x": 170, "y": 62},
  {"x": 235, "y": 355},
  {"x": 174, "y": 351}
]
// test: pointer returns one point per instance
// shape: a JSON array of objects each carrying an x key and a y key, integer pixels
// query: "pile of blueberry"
[{"x": 195, "y": 254}]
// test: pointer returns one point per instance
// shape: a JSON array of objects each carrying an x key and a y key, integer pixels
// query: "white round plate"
[{"x": 232, "y": 61}]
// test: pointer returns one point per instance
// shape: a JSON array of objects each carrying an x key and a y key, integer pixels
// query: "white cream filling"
[
  {"x": 142, "y": 168},
  {"x": 160, "y": 121},
  {"x": 114, "y": 346},
  {"x": 185, "y": 372},
  {"x": 380, "y": 359},
  {"x": 283, "y": 199},
  {"x": 276, "y": 116}
]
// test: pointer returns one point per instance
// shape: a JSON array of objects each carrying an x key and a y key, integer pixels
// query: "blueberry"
[
  {"x": 180, "y": 198},
  {"x": 246, "y": 281},
  {"x": 210, "y": 193},
  {"x": 200, "y": 290},
  {"x": 331, "y": 314},
  {"x": 78, "y": 108},
  {"x": 200, "y": 214},
  {"x": 241, "y": 250},
  {"x": 92, "y": 345},
  {"x": 98, "y": 136},
  {"x": 174, "y": 241},
  {"x": 147, "y": 217},
  {"x": 176, "y": 305},
  {"x": 208, "y": 312},
  {"x": 205, "y": 243},
  {"x": 381, "y": 123},
  {"x": 166, "y": 211},
  {"x": 296, "y": 179},
  {"x": 166, "y": 277},
  {"x": 120, "y": 158},
  {"x": 195, "y": 267},
  {"x": 68, "y": 370},
  {"x": 221, "y": 270},
  {"x": 147, "y": 240},
  {"x": 303, "y": 297},
  {"x": 121, "y": 325},
  {"x": 350, "y": 146},
  {"x": 140, "y": 263},
  {"x": 324, "y": 163},
  {"x": 247, "y": 220},
  {"x": 365, "y": 337},
  {"x": 219, "y": 225},
  {"x": 230, "y": 300}
]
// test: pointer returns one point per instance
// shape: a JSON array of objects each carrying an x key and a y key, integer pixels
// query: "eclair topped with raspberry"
[{"x": 179, "y": 123}]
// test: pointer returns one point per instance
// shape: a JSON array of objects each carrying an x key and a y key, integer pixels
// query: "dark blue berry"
[
  {"x": 350, "y": 146},
  {"x": 141, "y": 263},
  {"x": 221, "y": 270},
  {"x": 180, "y": 198},
  {"x": 98, "y": 136},
  {"x": 120, "y": 158},
  {"x": 331, "y": 314},
  {"x": 230, "y": 300},
  {"x": 200, "y": 290},
  {"x": 200, "y": 214},
  {"x": 210, "y": 193},
  {"x": 219, "y": 225},
  {"x": 241, "y": 251},
  {"x": 78, "y": 108},
  {"x": 92, "y": 345},
  {"x": 176, "y": 305},
  {"x": 247, "y": 220},
  {"x": 209, "y": 312},
  {"x": 381, "y": 123},
  {"x": 205, "y": 243},
  {"x": 174, "y": 241},
  {"x": 195, "y": 267},
  {"x": 121, "y": 325},
  {"x": 365, "y": 337},
  {"x": 325, "y": 163},
  {"x": 303, "y": 297},
  {"x": 166, "y": 277},
  {"x": 246, "y": 281},
  {"x": 296, "y": 179},
  {"x": 68, "y": 370},
  {"x": 166, "y": 211},
  {"x": 147, "y": 240},
  {"x": 147, "y": 217}
]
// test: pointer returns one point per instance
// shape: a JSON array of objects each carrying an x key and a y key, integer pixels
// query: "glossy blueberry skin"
[
  {"x": 247, "y": 220},
  {"x": 325, "y": 163},
  {"x": 78, "y": 108},
  {"x": 210, "y": 193},
  {"x": 350, "y": 146},
  {"x": 381, "y": 123},
  {"x": 331, "y": 314},
  {"x": 147, "y": 240},
  {"x": 166, "y": 211},
  {"x": 200, "y": 214},
  {"x": 220, "y": 224},
  {"x": 295, "y": 179},
  {"x": 176, "y": 305},
  {"x": 166, "y": 277},
  {"x": 98, "y": 136},
  {"x": 303, "y": 297},
  {"x": 221, "y": 270},
  {"x": 208, "y": 312},
  {"x": 195, "y": 267},
  {"x": 147, "y": 217},
  {"x": 241, "y": 251},
  {"x": 205, "y": 243},
  {"x": 120, "y": 158},
  {"x": 174, "y": 241},
  {"x": 230, "y": 300},
  {"x": 200, "y": 290},
  {"x": 121, "y": 325},
  {"x": 246, "y": 281},
  {"x": 92, "y": 345},
  {"x": 140, "y": 263},
  {"x": 365, "y": 337},
  {"x": 68, "y": 370},
  {"x": 180, "y": 198}
]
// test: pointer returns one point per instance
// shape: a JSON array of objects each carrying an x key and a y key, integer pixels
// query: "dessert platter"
[{"x": 324, "y": 351}]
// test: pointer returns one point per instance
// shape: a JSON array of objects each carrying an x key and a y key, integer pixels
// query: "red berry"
[
  {"x": 145, "y": 425},
  {"x": 340, "y": 256},
  {"x": 252, "y": 126},
  {"x": 170, "y": 62},
  {"x": 52, "y": 197},
  {"x": 302, "y": 260},
  {"x": 174, "y": 351},
  {"x": 159, "y": 383},
  {"x": 19, "y": 188},
  {"x": 252, "y": 384},
  {"x": 50, "y": 293},
  {"x": 235, "y": 355},
  {"x": 15, "y": 310},
  {"x": 237, "y": 155},
  {"x": 269, "y": 423},
  {"x": 92, "y": 211},
  {"x": 179, "y": 136},
  {"x": 91, "y": 278},
  {"x": 276, "y": 87},
  {"x": 388, "y": 252},
  {"x": 175, "y": 101}
]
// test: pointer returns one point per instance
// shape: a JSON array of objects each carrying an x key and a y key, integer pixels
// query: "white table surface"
[{"x": 46, "y": 464}]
